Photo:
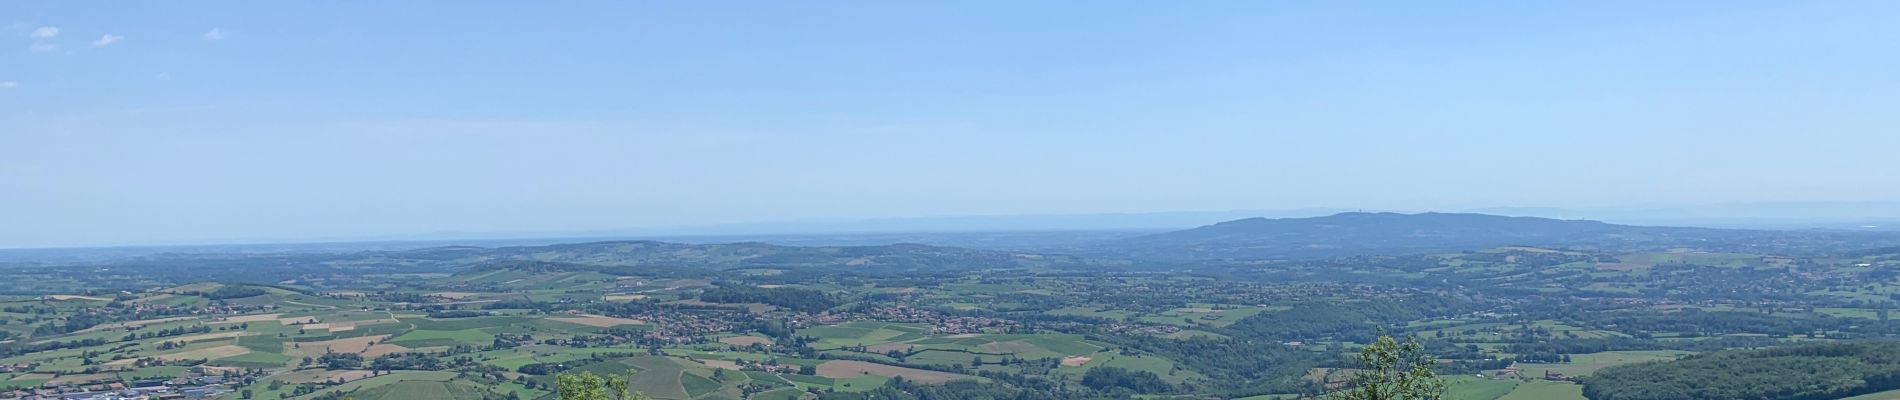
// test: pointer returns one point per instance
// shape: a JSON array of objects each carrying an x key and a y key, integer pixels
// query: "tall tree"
[{"x": 1390, "y": 370}]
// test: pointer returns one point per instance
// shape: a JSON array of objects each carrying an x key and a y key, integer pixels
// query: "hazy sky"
[{"x": 141, "y": 122}]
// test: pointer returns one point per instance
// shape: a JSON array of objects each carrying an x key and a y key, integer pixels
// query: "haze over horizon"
[
  {"x": 192, "y": 122},
  {"x": 1881, "y": 216}
]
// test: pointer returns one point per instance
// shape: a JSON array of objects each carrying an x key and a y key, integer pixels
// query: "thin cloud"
[
  {"x": 214, "y": 34},
  {"x": 9, "y": 85},
  {"x": 107, "y": 40},
  {"x": 46, "y": 32}
]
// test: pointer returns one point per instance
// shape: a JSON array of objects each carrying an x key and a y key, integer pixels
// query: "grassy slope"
[{"x": 1545, "y": 390}]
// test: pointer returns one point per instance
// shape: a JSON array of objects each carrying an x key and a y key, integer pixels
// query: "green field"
[
  {"x": 1545, "y": 390},
  {"x": 376, "y": 385},
  {"x": 431, "y": 338},
  {"x": 1160, "y": 366},
  {"x": 862, "y": 333},
  {"x": 1475, "y": 388},
  {"x": 1584, "y": 364},
  {"x": 420, "y": 390}
]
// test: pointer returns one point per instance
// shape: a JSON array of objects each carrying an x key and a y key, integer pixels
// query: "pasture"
[
  {"x": 1545, "y": 390},
  {"x": 1584, "y": 364}
]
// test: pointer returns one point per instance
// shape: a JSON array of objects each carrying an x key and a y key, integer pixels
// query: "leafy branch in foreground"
[
  {"x": 1390, "y": 370},
  {"x": 587, "y": 386}
]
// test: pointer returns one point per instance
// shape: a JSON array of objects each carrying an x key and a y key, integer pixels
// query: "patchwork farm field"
[{"x": 502, "y": 323}]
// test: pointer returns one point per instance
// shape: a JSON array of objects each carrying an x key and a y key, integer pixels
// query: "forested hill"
[
  {"x": 1359, "y": 233},
  {"x": 1805, "y": 372}
]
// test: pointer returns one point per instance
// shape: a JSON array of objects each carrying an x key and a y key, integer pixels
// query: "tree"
[
  {"x": 1394, "y": 371},
  {"x": 587, "y": 386},
  {"x": 1105, "y": 378}
]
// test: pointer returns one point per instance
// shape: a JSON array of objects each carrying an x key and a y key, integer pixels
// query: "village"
[{"x": 196, "y": 386}]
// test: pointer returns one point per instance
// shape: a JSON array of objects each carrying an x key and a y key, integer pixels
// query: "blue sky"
[{"x": 157, "y": 122}]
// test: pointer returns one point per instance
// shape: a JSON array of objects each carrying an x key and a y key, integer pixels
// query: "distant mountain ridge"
[
  {"x": 1362, "y": 233},
  {"x": 1337, "y": 235},
  {"x": 1228, "y": 244},
  {"x": 1376, "y": 225},
  {"x": 646, "y": 254}
]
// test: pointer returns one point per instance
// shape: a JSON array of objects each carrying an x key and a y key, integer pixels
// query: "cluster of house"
[
  {"x": 749, "y": 365},
  {"x": 1142, "y": 329},
  {"x": 668, "y": 327},
  {"x": 674, "y": 326},
  {"x": 182, "y": 388},
  {"x": 687, "y": 327},
  {"x": 1512, "y": 372},
  {"x": 824, "y": 318},
  {"x": 939, "y": 323}
]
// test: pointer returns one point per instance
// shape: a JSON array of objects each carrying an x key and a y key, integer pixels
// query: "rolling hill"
[
  {"x": 1359, "y": 233},
  {"x": 763, "y": 255}
]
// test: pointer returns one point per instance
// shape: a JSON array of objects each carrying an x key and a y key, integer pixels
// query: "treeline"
[
  {"x": 520, "y": 305},
  {"x": 1598, "y": 345},
  {"x": 446, "y": 314},
  {"x": 18, "y": 348},
  {"x": 803, "y": 300},
  {"x": 232, "y": 292},
  {"x": 176, "y": 331},
  {"x": 1695, "y": 322},
  {"x": 1112, "y": 378},
  {"x": 74, "y": 323},
  {"x": 1237, "y": 367},
  {"x": 386, "y": 362},
  {"x": 1804, "y": 372}
]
